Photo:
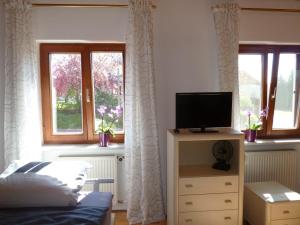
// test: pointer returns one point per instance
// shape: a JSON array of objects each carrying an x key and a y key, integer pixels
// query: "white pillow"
[
  {"x": 34, "y": 190},
  {"x": 71, "y": 173}
]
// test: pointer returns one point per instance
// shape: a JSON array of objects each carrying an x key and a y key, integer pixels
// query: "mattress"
[{"x": 93, "y": 209}]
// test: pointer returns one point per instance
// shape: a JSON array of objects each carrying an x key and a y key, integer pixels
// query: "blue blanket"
[{"x": 90, "y": 211}]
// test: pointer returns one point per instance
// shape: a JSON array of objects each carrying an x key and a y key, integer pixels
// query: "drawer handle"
[
  {"x": 227, "y": 201},
  {"x": 188, "y": 185},
  {"x": 188, "y": 220},
  {"x": 228, "y": 184},
  {"x": 189, "y": 203},
  {"x": 286, "y": 212},
  {"x": 227, "y": 218}
]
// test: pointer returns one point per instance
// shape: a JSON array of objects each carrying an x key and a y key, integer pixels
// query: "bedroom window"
[
  {"x": 76, "y": 80},
  {"x": 269, "y": 78}
]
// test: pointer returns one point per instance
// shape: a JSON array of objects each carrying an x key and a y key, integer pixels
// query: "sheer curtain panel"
[
  {"x": 21, "y": 117},
  {"x": 226, "y": 19},
  {"x": 144, "y": 196}
]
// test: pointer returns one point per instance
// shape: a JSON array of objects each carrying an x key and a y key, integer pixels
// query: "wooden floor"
[{"x": 121, "y": 219}]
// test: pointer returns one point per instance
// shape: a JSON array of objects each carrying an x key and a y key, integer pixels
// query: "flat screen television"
[{"x": 198, "y": 111}]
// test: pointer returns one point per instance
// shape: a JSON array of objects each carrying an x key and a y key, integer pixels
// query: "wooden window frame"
[
  {"x": 88, "y": 135},
  {"x": 264, "y": 50}
]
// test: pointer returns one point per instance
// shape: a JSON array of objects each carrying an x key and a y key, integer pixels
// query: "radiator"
[
  {"x": 102, "y": 167},
  {"x": 277, "y": 166}
]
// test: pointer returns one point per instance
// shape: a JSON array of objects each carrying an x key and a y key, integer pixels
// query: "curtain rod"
[
  {"x": 82, "y": 5},
  {"x": 271, "y": 10}
]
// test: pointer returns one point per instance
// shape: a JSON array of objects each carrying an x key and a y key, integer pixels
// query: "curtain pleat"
[
  {"x": 144, "y": 196},
  {"x": 22, "y": 136},
  {"x": 226, "y": 20}
]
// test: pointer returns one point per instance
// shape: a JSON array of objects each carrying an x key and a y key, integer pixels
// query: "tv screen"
[{"x": 203, "y": 110}]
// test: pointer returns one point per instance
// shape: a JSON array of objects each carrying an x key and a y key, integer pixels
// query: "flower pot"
[
  {"x": 250, "y": 135},
  {"x": 103, "y": 139}
]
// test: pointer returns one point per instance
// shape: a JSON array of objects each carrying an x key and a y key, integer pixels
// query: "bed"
[
  {"x": 93, "y": 209},
  {"x": 34, "y": 199}
]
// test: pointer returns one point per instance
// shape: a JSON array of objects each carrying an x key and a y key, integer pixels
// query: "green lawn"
[{"x": 67, "y": 120}]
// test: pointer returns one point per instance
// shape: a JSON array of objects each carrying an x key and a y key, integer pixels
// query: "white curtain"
[
  {"x": 226, "y": 18},
  {"x": 144, "y": 196},
  {"x": 21, "y": 111}
]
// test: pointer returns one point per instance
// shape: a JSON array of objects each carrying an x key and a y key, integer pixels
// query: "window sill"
[
  {"x": 259, "y": 142},
  {"x": 50, "y": 152},
  {"x": 272, "y": 144}
]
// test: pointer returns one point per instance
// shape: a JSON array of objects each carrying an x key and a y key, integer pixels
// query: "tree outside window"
[{"x": 80, "y": 78}]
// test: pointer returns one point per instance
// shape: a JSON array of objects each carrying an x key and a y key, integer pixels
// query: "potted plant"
[
  {"x": 107, "y": 120},
  {"x": 254, "y": 124}
]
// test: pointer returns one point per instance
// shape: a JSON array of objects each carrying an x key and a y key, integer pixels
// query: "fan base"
[{"x": 221, "y": 166}]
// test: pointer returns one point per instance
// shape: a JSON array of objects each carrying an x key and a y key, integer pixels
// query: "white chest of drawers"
[
  {"x": 198, "y": 194},
  {"x": 270, "y": 203},
  {"x": 209, "y": 204}
]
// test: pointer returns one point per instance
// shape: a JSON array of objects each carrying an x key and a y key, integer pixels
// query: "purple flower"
[
  {"x": 113, "y": 111},
  {"x": 264, "y": 112},
  {"x": 117, "y": 111},
  {"x": 106, "y": 124},
  {"x": 248, "y": 113},
  {"x": 101, "y": 110},
  {"x": 120, "y": 110}
]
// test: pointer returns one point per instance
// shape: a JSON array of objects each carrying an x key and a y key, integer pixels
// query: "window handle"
[
  {"x": 88, "y": 97},
  {"x": 274, "y": 93}
]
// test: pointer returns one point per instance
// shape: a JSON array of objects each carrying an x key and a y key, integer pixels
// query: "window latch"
[
  {"x": 274, "y": 93},
  {"x": 88, "y": 98}
]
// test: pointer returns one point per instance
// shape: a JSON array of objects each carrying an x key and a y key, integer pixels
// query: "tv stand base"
[{"x": 202, "y": 130}]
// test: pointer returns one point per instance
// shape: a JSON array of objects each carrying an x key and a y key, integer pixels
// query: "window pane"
[
  {"x": 65, "y": 73},
  {"x": 284, "y": 113},
  {"x": 107, "y": 72},
  {"x": 250, "y": 76}
]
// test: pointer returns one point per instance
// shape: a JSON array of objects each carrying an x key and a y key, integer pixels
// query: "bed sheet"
[{"x": 91, "y": 210}]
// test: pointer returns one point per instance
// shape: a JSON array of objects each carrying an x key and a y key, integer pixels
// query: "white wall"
[
  {"x": 83, "y": 24},
  {"x": 1, "y": 86},
  {"x": 276, "y": 27},
  {"x": 187, "y": 53}
]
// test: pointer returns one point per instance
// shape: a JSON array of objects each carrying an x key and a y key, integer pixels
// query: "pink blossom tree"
[
  {"x": 107, "y": 71},
  {"x": 67, "y": 77}
]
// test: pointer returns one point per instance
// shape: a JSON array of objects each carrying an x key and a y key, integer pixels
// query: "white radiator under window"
[
  {"x": 274, "y": 165},
  {"x": 102, "y": 167}
]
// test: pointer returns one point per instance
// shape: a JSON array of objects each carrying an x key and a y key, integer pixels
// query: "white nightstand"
[{"x": 270, "y": 203}]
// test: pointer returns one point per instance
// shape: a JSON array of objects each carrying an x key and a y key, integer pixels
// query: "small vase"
[
  {"x": 250, "y": 135},
  {"x": 103, "y": 139}
]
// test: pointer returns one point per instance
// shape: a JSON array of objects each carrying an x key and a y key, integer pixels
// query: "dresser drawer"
[
  {"x": 286, "y": 222},
  {"x": 285, "y": 210},
  {"x": 188, "y": 203},
  {"x": 205, "y": 185},
  {"x": 227, "y": 217}
]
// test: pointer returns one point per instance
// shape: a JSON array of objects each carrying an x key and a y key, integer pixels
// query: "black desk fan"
[{"x": 222, "y": 151}]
